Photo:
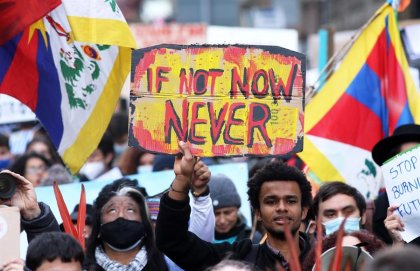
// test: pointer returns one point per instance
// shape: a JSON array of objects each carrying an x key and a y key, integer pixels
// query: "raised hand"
[
  {"x": 183, "y": 169},
  {"x": 201, "y": 177},
  {"x": 15, "y": 265},
  {"x": 24, "y": 197},
  {"x": 394, "y": 225}
]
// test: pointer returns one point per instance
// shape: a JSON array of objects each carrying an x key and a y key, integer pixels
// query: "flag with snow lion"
[{"x": 68, "y": 63}]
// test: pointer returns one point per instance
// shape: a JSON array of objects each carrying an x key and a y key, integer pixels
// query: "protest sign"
[
  {"x": 402, "y": 182},
  {"x": 9, "y": 234},
  {"x": 226, "y": 100}
]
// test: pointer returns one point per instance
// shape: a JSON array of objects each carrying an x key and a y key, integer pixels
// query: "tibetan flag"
[
  {"x": 69, "y": 67},
  {"x": 369, "y": 95},
  {"x": 15, "y": 16}
]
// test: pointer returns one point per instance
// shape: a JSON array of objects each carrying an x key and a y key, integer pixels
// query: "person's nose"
[
  {"x": 121, "y": 213},
  {"x": 281, "y": 206},
  {"x": 222, "y": 219}
]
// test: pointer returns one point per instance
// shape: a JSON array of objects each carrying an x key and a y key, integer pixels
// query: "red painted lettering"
[
  {"x": 233, "y": 121},
  {"x": 200, "y": 82},
  {"x": 254, "y": 88},
  {"x": 160, "y": 78},
  {"x": 237, "y": 82},
  {"x": 216, "y": 123},
  {"x": 259, "y": 115},
  {"x": 214, "y": 73},
  {"x": 172, "y": 121},
  {"x": 199, "y": 140},
  {"x": 184, "y": 82},
  {"x": 279, "y": 89}
]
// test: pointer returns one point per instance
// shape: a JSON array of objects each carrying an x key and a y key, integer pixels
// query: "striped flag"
[
  {"x": 369, "y": 95},
  {"x": 69, "y": 67}
]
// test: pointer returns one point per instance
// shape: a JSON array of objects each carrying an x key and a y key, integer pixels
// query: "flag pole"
[{"x": 328, "y": 69}]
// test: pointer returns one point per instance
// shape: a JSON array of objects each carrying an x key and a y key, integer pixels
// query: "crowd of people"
[{"x": 199, "y": 225}]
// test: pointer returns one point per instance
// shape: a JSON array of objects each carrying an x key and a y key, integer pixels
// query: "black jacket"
[
  {"x": 45, "y": 222},
  {"x": 191, "y": 253}
]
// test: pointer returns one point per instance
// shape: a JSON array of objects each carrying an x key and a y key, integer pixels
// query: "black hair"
[
  {"x": 154, "y": 257},
  {"x": 278, "y": 171},
  {"x": 19, "y": 165},
  {"x": 259, "y": 164},
  {"x": 328, "y": 190},
  {"x": 401, "y": 258},
  {"x": 50, "y": 246},
  {"x": 55, "y": 158},
  {"x": 4, "y": 141},
  {"x": 106, "y": 145},
  {"x": 118, "y": 126}
]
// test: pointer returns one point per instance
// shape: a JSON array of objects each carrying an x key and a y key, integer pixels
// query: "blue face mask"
[
  {"x": 144, "y": 168},
  {"x": 352, "y": 224},
  {"x": 4, "y": 163}
]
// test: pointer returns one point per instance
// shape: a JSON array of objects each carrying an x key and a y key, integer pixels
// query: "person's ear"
[
  {"x": 363, "y": 219},
  {"x": 304, "y": 212},
  {"x": 257, "y": 214}
]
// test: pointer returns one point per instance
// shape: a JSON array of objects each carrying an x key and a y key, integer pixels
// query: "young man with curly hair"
[{"x": 279, "y": 195}]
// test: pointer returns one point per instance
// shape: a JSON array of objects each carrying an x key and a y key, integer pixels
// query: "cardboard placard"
[
  {"x": 402, "y": 183},
  {"x": 226, "y": 100},
  {"x": 9, "y": 234}
]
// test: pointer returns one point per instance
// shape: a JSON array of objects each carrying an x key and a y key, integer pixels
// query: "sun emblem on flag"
[{"x": 73, "y": 65}]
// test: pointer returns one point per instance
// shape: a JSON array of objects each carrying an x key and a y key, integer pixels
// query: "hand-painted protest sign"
[
  {"x": 224, "y": 100},
  {"x": 402, "y": 182}
]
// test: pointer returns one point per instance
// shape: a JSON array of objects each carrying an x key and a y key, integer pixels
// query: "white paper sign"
[{"x": 402, "y": 182}]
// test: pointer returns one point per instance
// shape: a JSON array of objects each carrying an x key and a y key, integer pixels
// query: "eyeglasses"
[{"x": 35, "y": 170}]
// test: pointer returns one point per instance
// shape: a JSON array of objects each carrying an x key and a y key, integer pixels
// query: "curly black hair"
[{"x": 278, "y": 171}]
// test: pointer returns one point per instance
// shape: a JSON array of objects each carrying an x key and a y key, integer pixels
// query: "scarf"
[
  {"x": 231, "y": 235},
  {"x": 138, "y": 263}
]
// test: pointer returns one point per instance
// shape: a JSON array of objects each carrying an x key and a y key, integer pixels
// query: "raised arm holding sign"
[{"x": 402, "y": 181}]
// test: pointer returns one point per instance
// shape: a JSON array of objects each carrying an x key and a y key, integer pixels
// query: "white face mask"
[
  {"x": 120, "y": 148},
  {"x": 92, "y": 169},
  {"x": 144, "y": 168}
]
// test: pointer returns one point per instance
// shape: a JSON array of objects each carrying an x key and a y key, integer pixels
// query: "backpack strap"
[{"x": 251, "y": 256}]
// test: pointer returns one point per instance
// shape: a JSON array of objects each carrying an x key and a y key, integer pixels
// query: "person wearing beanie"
[{"x": 230, "y": 224}]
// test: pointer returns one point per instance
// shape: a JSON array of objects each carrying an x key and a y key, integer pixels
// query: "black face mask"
[{"x": 122, "y": 234}]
